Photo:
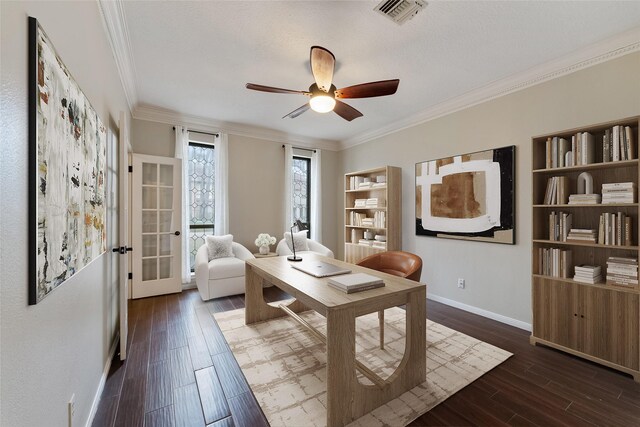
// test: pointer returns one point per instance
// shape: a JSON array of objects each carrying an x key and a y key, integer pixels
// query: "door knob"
[{"x": 177, "y": 233}]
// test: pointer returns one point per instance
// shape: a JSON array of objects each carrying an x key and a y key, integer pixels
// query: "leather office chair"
[{"x": 398, "y": 263}]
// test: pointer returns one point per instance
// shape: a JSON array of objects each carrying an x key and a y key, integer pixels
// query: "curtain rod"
[
  {"x": 198, "y": 131},
  {"x": 302, "y": 148}
]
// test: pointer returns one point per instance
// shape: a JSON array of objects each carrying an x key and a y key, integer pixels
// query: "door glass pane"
[
  {"x": 149, "y": 174},
  {"x": 166, "y": 218},
  {"x": 166, "y": 267},
  {"x": 149, "y": 198},
  {"x": 166, "y": 175},
  {"x": 165, "y": 244},
  {"x": 166, "y": 198},
  {"x": 149, "y": 221},
  {"x": 150, "y": 269},
  {"x": 150, "y": 245}
]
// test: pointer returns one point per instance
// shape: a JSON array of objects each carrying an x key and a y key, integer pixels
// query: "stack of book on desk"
[{"x": 355, "y": 282}]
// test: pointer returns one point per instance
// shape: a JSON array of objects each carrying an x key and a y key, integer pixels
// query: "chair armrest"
[
  {"x": 202, "y": 268},
  {"x": 241, "y": 252},
  {"x": 319, "y": 248},
  {"x": 283, "y": 249}
]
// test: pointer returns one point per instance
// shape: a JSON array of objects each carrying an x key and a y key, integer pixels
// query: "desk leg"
[
  {"x": 256, "y": 309},
  {"x": 341, "y": 372}
]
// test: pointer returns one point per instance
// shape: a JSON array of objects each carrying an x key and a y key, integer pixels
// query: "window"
[
  {"x": 201, "y": 196},
  {"x": 302, "y": 190}
]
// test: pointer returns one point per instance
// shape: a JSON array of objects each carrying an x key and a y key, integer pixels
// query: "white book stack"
[
  {"x": 375, "y": 202},
  {"x": 588, "y": 274},
  {"x": 582, "y": 235},
  {"x": 360, "y": 203},
  {"x": 355, "y": 282},
  {"x": 619, "y": 192},
  {"x": 585, "y": 199},
  {"x": 622, "y": 271}
]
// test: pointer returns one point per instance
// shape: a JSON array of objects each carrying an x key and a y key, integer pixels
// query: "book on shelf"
[
  {"x": 365, "y": 182},
  {"x": 557, "y": 191},
  {"x": 618, "y": 144},
  {"x": 588, "y": 274},
  {"x": 619, "y": 192},
  {"x": 582, "y": 235},
  {"x": 615, "y": 229},
  {"x": 355, "y": 282},
  {"x": 622, "y": 271},
  {"x": 559, "y": 225},
  {"x": 554, "y": 262},
  {"x": 585, "y": 199}
]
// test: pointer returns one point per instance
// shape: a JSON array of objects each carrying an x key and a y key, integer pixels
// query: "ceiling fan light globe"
[{"x": 322, "y": 103}]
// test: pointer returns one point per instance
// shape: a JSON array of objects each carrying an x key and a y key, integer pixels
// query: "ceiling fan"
[{"x": 324, "y": 95}]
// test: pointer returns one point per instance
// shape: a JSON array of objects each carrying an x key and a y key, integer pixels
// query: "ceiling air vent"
[{"x": 400, "y": 11}]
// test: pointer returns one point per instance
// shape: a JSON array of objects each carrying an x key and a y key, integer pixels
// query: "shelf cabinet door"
[
  {"x": 554, "y": 309},
  {"x": 609, "y": 325}
]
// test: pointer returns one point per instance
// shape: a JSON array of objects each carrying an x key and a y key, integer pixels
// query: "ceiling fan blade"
[
  {"x": 295, "y": 113},
  {"x": 346, "y": 111},
  {"x": 322, "y": 65},
  {"x": 271, "y": 89},
  {"x": 369, "y": 90}
]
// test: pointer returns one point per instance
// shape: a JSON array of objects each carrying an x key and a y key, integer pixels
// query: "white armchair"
[
  {"x": 221, "y": 277},
  {"x": 315, "y": 247}
]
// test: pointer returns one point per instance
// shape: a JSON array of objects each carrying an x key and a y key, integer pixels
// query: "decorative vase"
[{"x": 264, "y": 250}]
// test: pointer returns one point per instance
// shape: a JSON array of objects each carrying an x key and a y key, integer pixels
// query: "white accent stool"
[{"x": 221, "y": 277}]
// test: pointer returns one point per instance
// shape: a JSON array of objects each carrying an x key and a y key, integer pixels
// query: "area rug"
[{"x": 286, "y": 366}]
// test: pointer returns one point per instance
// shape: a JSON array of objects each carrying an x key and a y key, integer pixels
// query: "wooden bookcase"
[
  {"x": 391, "y": 193},
  {"x": 598, "y": 322}
]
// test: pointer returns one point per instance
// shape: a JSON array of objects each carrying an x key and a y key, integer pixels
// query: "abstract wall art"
[
  {"x": 67, "y": 158},
  {"x": 470, "y": 196}
]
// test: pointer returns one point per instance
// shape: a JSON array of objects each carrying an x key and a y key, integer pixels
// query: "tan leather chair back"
[{"x": 398, "y": 263}]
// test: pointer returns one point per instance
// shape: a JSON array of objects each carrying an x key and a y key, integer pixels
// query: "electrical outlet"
[
  {"x": 461, "y": 283},
  {"x": 72, "y": 409}
]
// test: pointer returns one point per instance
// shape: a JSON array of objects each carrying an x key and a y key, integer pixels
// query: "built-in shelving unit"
[
  {"x": 600, "y": 321},
  {"x": 385, "y": 207}
]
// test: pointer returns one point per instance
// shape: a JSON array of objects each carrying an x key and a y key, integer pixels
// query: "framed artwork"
[
  {"x": 67, "y": 161},
  {"x": 469, "y": 197}
]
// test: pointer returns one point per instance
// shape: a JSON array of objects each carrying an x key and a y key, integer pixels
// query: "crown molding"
[
  {"x": 115, "y": 25},
  {"x": 603, "y": 51},
  {"x": 161, "y": 115}
]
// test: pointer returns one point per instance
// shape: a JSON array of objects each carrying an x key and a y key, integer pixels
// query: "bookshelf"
[
  {"x": 598, "y": 321},
  {"x": 375, "y": 207}
]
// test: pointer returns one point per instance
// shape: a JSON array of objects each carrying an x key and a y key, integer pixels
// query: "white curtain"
[
  {"x": 316, "y": 196},
  {"x": 221, "y": 221},
  {"x": 182, "y": 152},
  {"x": 288, "y": 186}
]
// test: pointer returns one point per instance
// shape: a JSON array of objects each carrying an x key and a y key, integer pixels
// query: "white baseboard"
[
  {"x": 103, "y": 381},
  {"x": 484, "y": 313}
]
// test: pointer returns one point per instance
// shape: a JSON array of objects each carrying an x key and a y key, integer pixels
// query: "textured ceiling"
[{"x": 194, "y": 58}]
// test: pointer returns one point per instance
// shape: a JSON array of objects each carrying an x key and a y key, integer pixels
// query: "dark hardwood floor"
[{"x": 180, "y": 372}]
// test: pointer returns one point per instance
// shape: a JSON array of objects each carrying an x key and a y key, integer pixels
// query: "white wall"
[
  {"x": 61, "y": 345},
  {"x": 256, "y": 182},
  {"x": 498, "y": 277}
]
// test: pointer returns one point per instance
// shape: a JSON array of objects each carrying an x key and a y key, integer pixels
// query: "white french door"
[
  {"x": 156, "y": 224},
  {"x": 124, "y": 151}
]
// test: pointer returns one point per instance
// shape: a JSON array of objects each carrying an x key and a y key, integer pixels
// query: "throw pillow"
[
  {"x": 219, "y": 246},
  {"x": 299, "y": 238}
]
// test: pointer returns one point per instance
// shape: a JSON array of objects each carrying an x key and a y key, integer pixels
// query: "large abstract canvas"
[
  {"x": 67, "y": 149},
  {"x": 469, "y": 197}
]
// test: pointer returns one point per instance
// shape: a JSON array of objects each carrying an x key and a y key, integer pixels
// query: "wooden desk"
[{"x": 347, "y": 398}]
